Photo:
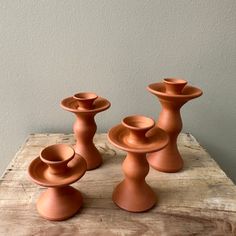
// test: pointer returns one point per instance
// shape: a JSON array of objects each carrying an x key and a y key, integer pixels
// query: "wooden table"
[{"x": 199, "y": 200}]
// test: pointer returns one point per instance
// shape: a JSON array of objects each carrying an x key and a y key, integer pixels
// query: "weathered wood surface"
[{"x": 199, "y": 200}]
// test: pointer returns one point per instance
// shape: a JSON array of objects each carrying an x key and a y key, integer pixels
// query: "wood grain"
[{"x": 199, "y": 200}]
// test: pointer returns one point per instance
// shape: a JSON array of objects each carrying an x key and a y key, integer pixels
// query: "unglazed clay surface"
[
  {"x": 41, "y": 175},
  {"x": 172, "y": 94},
  {"x": 85, "y": 106},
  {"x": 137, "y": 136},
  {"x": 57, "y": 168}
]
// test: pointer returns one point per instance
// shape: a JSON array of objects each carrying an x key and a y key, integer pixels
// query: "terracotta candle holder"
[
  {"x": 172, "y": 94},
  {"x": 134, "y": 136},
  {"x": 85, "y": 106},
  {"x": 52, "y": 169}
]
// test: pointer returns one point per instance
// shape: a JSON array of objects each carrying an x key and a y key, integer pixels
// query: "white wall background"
[{"x": 52, "y": 49}]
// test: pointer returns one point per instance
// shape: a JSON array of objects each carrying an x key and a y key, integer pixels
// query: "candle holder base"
[
  {"x": 165, "y": 161},
  {"x": 134, "y": 198},
  {"x": 58, "y": 204}
]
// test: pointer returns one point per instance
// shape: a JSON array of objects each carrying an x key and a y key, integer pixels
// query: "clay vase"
[
  {"x": 85, "y": 106},
  {"x": 52, "y": 169},
  {"x": 135, "y": 137},
  {"x": 172, "y": 94}
]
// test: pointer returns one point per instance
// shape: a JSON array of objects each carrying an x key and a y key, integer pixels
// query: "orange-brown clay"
[
  {"x": 85, "y": 106},
  {"x": 53, "y": 169},
  {"x": 172, "y": 94},
  {"x": 137, "y": 136}
]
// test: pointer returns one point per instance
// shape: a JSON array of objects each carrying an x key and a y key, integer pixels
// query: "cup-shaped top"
[
  {"x": 85, "y": 100},
  {"x": 138, "y": 127},
  {"x": 174, "y": 86},
  {"x": 57, "y": 157}
]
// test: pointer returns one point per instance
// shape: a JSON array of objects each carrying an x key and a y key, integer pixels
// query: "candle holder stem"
[
  {"x": 133, "y": 193},
  {"x": 59, "y": 203},
  {"x": 84, "y": 130}
]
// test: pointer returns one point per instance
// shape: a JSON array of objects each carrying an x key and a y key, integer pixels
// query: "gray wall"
[{"x": 52, "y": 49}]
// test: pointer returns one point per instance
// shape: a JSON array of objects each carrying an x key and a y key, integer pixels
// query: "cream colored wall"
[{"x": 52, "y": 49}]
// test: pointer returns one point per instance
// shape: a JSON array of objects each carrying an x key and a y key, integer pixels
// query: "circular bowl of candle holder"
[
  {"x": 53, "y": 169},
  {"x": 172, "y": 93},
  {"x": 137, "y": 135},
  {"x": 85, "y": 106}
]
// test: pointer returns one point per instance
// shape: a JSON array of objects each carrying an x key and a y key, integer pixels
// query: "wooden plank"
[{"x": 199, "y": 200}]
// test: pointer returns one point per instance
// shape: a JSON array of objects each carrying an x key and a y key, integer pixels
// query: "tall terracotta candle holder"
[
  {"x": 135, "y": 137},
  {"x": 53, "y": 170},
  {"x": 85, "y": 106},
  {"x": 172, "y": 94}
]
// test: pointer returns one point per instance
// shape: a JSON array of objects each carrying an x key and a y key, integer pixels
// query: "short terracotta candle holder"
[
  {"x": 137, "y": 136},
  {"x": 52, "y": 169},
  {"x": 172, "y": 94},
  {"x": 85, "y": 106}
]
